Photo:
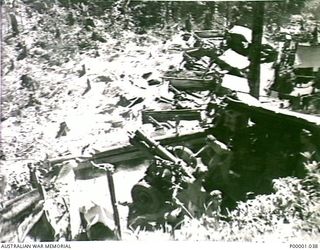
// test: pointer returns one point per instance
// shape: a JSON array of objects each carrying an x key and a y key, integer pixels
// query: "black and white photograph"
[{"x": 159, "y": 121}]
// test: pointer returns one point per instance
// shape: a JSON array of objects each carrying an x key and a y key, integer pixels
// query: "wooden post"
[
  {"x": 35, "y": 182},
  {"x": 255, "y": 49},
  {"x": 114, "y": 202},
  {"x": 109, "y": 168}
]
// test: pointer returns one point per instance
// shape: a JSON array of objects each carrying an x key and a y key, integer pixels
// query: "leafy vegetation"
[{"x": 290, "y": 213}]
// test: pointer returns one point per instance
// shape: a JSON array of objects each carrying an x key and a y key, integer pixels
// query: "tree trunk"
[{"x": 255, "y": 49}]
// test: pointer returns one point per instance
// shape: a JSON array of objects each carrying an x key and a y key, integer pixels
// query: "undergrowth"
[{"x": 291, "y": 213}]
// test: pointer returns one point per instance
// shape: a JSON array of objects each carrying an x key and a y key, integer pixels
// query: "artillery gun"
[
  {"x": 247, "y": 147},
  {"x": 171, "y": 188}
]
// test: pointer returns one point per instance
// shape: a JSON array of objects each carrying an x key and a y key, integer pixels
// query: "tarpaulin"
[
  {"x": 235, "y": 59},
  {"x": 235, "y": 83},
  {"x": 307, "y": 56},
  {"x": 245, "y": 32}
]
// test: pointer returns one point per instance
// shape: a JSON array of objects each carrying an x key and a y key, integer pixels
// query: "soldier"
[
  {"x": 213, "y": 205},
  {"x": 315, "y": 35}
]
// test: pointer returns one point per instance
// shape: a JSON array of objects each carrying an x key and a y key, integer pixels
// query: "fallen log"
[
  {"x": 283, "y": 116},
  {"x": 30, "y": 221},
  {"x": 192, "y": 84},
  {"x": 58, "y": 160},
  {"x": 19, "y": 215},
  {"x": 171, "y": 115},
  {"x": 209, "y": 34}
]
